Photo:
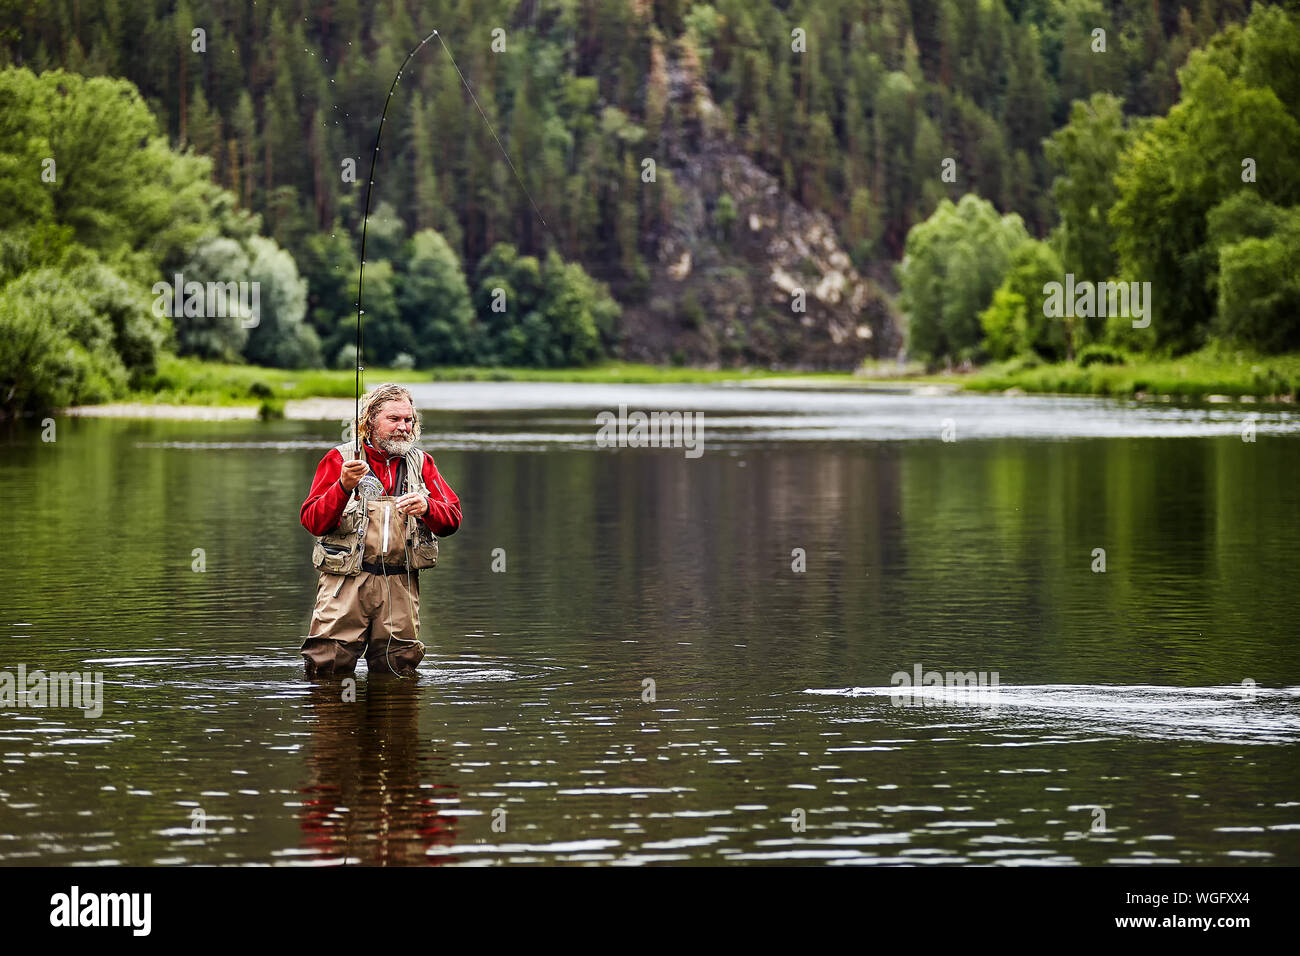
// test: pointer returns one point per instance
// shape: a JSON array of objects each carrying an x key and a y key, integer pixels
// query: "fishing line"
[
  {"x": 493, "y": 132},
  {"x": 370, "y": 487},
  {"x": 370, "y": 185}
]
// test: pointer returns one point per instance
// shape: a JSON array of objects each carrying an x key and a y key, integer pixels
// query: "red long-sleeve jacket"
[{"x": 327, "y": 499}]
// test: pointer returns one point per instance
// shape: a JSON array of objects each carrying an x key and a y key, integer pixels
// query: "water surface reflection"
[{"x": 770, "y": 736}]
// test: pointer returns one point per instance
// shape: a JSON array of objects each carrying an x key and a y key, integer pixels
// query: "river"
[{"x": 638, "y": 656}]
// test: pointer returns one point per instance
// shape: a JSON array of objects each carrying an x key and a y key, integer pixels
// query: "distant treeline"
[
  {"x": 1188, "y": 222},
  {"x": 853, "y": 104},
  {"x": 100, "y": 219}
]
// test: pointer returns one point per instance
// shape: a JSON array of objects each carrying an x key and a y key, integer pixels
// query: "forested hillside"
[{"x": 705, "y": 161}]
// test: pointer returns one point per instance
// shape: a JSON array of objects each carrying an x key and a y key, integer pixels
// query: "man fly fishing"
[
  {"x": 377, "y": 508},
  {"x": 377, "y": 517}
]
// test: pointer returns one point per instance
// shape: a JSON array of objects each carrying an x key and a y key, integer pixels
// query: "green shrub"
[
  {"x": 1101, "y": 354},
  {"x": 1005, "y": 329},
  {"x": 1022, "y": 363}
]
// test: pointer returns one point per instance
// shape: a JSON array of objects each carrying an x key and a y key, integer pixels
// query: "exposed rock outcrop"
[{"x": 743, "y": 272}]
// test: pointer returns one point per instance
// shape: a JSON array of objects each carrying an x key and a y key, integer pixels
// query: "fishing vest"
[{"x": 378, "y": 534}]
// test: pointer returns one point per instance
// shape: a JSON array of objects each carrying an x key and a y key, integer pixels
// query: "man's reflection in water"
[{"x": 364, "y": 802}]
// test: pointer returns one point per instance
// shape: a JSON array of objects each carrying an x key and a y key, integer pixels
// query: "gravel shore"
[{"x": 309, "y": 409}]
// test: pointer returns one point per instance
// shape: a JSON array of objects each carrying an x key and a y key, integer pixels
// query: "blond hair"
[{"x": 373, "y": 401}]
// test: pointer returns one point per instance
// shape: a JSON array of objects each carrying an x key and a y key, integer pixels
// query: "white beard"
[{"x": 395, "y": 447}]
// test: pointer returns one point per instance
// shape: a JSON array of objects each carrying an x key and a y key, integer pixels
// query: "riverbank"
[
  {"x": 184, "y": 381},
  {"x": 1212, "y": 374},
  {"x": 191, "y": 389},
  {"x": 304, "y": 409},
  {"x": 186, "y": 388}
]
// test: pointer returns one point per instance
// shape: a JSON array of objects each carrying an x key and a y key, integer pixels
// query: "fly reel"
[{"x": 369, "y": 488}]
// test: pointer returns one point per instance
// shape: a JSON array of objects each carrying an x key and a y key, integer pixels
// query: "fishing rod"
[
  {"x": 370, "y": 487},
  {"x": 374, "y": 489}
]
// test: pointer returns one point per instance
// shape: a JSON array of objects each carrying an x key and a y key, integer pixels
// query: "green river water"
[{"x": 770, "y": 588}]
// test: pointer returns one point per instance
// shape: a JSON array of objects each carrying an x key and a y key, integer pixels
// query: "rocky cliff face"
[{"x": 743, "y": 273}]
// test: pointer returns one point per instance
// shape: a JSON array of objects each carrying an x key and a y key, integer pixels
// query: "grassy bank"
[
  {"x": 184, "y": 381},
  {"x": 1209, "y": 372}
]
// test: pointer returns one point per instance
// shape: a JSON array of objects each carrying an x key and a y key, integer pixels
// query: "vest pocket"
[
  {"x": 424, "y": 548},
  {"x": 350, "y": 520},
  {"x": 333, "y": 557}
]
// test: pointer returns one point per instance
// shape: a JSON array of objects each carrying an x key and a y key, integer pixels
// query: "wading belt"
[{"x": 383, "y": 568}]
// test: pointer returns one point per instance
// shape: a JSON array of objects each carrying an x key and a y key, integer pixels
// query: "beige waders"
[{"x": 374, "y": 612}]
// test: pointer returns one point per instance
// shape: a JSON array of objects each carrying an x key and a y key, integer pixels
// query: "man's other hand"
[
  {"x": 353, "y": 472},
  {"x": 413, "y": 504}
]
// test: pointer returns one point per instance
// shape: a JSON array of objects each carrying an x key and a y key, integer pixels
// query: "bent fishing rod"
[{"x": 370, "y": 185}]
